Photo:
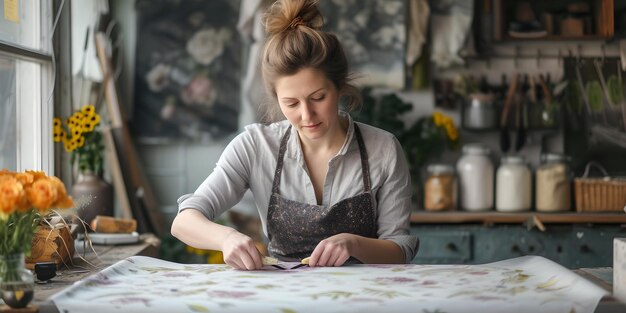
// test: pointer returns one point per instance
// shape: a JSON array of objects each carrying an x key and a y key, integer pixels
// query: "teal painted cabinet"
[{"x": 571, "y": 245}]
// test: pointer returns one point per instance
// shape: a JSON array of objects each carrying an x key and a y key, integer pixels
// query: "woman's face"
[{"x": 310, "y": 102}]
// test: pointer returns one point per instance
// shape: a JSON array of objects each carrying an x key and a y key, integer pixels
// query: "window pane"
[
  {"x": 8, "y": 137},
  {"x": 20, "y": 23}
]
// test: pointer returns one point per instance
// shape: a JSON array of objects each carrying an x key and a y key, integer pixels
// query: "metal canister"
[{"x": 480, "y": 112}]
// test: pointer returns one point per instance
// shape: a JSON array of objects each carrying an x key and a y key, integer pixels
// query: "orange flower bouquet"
[{"x": 25, "y": 200}]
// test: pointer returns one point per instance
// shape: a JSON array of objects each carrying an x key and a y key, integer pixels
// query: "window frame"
[{"x": 34, "y": 104}]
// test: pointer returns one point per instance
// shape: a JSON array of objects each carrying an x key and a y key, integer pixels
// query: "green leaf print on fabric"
[
  {"x": 336, "y": 273},
  {"x": 464, "y": 293},
  {"x": 113, "y": 295},
  {"x": 183, "y": 293},
  {"x": 333, "y": 295},
  {"x": 514, "y": 290},
  {"x": 226, "y": 305},
  {"x": 208, "y": 283},
  {"x": 551, "y": 285},
  {"x": 197, "y": 308},
  {"x": 117, "y": 271},
  {"x": 156, "y": 270},
  {"x": 199, "y": 268},
  {"x": 517, "y": 278},
  {"x": 384, "y": 293},
  {"x": 390, "y": 281}
]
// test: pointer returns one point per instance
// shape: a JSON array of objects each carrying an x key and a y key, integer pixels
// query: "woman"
[{"x": 326, "y": 187}]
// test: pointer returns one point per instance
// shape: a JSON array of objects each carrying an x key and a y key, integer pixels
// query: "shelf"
[
  {"x": 562, "y": 23},
  {"x": 503, "y": 218},
  {"x": 551, "y": 38}
]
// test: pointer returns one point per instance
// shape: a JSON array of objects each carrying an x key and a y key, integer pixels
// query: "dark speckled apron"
[{"x": 295, "y": 228}]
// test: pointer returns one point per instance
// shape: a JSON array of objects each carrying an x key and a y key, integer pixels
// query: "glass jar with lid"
[
  {"x": 475, "y": 171},
  {"x": 513, "y": 185},
  {"x": 440, "y": 188},
  {"x": 553, "y": 183}
]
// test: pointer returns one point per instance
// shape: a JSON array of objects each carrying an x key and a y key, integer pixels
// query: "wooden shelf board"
[
  {"x": 508, "y": 38},
  {"x": 503, "y": 218}
]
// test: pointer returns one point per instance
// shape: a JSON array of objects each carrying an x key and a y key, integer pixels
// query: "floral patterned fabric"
[{"x": 143, "y": 284}]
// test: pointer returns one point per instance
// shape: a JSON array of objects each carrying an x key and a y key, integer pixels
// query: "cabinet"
[
  {"x": 553, "y": 20},
  {"x": 573, "y": 240}
]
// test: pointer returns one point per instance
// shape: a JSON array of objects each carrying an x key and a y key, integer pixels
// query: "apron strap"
[
  {"x": 362, "y": 151},
  {"x": 365, "y": 169},
  {"x": 279, "y": 163}
]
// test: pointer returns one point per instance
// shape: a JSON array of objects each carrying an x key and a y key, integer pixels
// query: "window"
[{"x": 26, "y": 85}]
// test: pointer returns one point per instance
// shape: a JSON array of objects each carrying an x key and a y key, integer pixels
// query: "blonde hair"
[{"x": 295, "y": 40}]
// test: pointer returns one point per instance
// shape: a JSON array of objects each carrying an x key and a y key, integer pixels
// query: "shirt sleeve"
[
  {"x": 228, "y": 182},
  {"x": 394, "y": 202}
]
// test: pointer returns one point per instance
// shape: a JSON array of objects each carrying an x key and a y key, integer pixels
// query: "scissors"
[{"x": 274, "y": 263}]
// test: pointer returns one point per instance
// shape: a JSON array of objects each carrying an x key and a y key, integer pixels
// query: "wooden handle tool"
[
  {"x": 508, "y": 100},
  {"x": 269, "y": 260}
]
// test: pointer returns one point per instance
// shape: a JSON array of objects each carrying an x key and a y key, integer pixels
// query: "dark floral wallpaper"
[
  {"x": 373, "y": 34},
  {"x": 188, "y": 65}
]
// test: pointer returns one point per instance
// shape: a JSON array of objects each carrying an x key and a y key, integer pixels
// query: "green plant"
[
  {"x": 425, "y": 139},
  {"x": 383, "y": 111}
]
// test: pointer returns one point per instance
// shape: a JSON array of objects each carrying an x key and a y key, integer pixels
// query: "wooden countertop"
[
  {"x": 106, "y": 256},
  {"x": 603, "y": 277},
  {"x": 492, "y": 217}
]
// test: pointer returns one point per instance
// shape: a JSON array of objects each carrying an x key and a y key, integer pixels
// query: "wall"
[
  {"x": 173, "y": 168},
  {"x": 506, "y": 62},
  {"x": 176, "y": 168}
]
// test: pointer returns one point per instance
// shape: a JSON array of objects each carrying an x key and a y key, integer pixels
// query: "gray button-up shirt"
[{"x": 249, "y": 162}]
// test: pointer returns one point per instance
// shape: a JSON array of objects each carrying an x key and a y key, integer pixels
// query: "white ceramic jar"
[
  {"x": 513, "y": 185},
  {"x": 475, "y": 172}
]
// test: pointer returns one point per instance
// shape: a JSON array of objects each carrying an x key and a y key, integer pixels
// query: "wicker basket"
[
  {"x": 600, "y": 194},
  {"x": 51, "y": 245}
]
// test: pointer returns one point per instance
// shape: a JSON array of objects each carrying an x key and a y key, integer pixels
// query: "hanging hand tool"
[
  {"x": 520, "y": 138},
  {"x": 505, "y": 142}
]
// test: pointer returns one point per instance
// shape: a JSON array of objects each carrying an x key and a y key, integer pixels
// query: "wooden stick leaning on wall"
[
  {"x": 116, "y": 172},
  {"x": 138, "y": 188},
  {"x": 121, "y": 182}
]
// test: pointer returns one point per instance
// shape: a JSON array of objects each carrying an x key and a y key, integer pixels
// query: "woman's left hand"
[{"x": 333, "y": 251}]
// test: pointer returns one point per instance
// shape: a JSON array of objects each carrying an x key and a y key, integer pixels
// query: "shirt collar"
[{"x": 294, "y": 149}]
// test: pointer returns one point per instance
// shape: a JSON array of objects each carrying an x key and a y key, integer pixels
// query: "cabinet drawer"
[{"x": 443, "y": 247}]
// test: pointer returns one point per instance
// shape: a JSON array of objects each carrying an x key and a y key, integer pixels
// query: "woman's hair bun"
[{"x": 285, "y": 15}]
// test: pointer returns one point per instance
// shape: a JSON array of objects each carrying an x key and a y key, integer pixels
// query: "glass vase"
[{"x": 16, "y": 282}]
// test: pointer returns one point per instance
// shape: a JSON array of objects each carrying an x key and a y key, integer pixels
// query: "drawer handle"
[
  {"x": 452, "y": 247},
  {"x": 516, "y": 249}
]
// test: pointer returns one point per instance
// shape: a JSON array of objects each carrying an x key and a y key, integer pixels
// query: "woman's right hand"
[{"x": 240, "y": 252}]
